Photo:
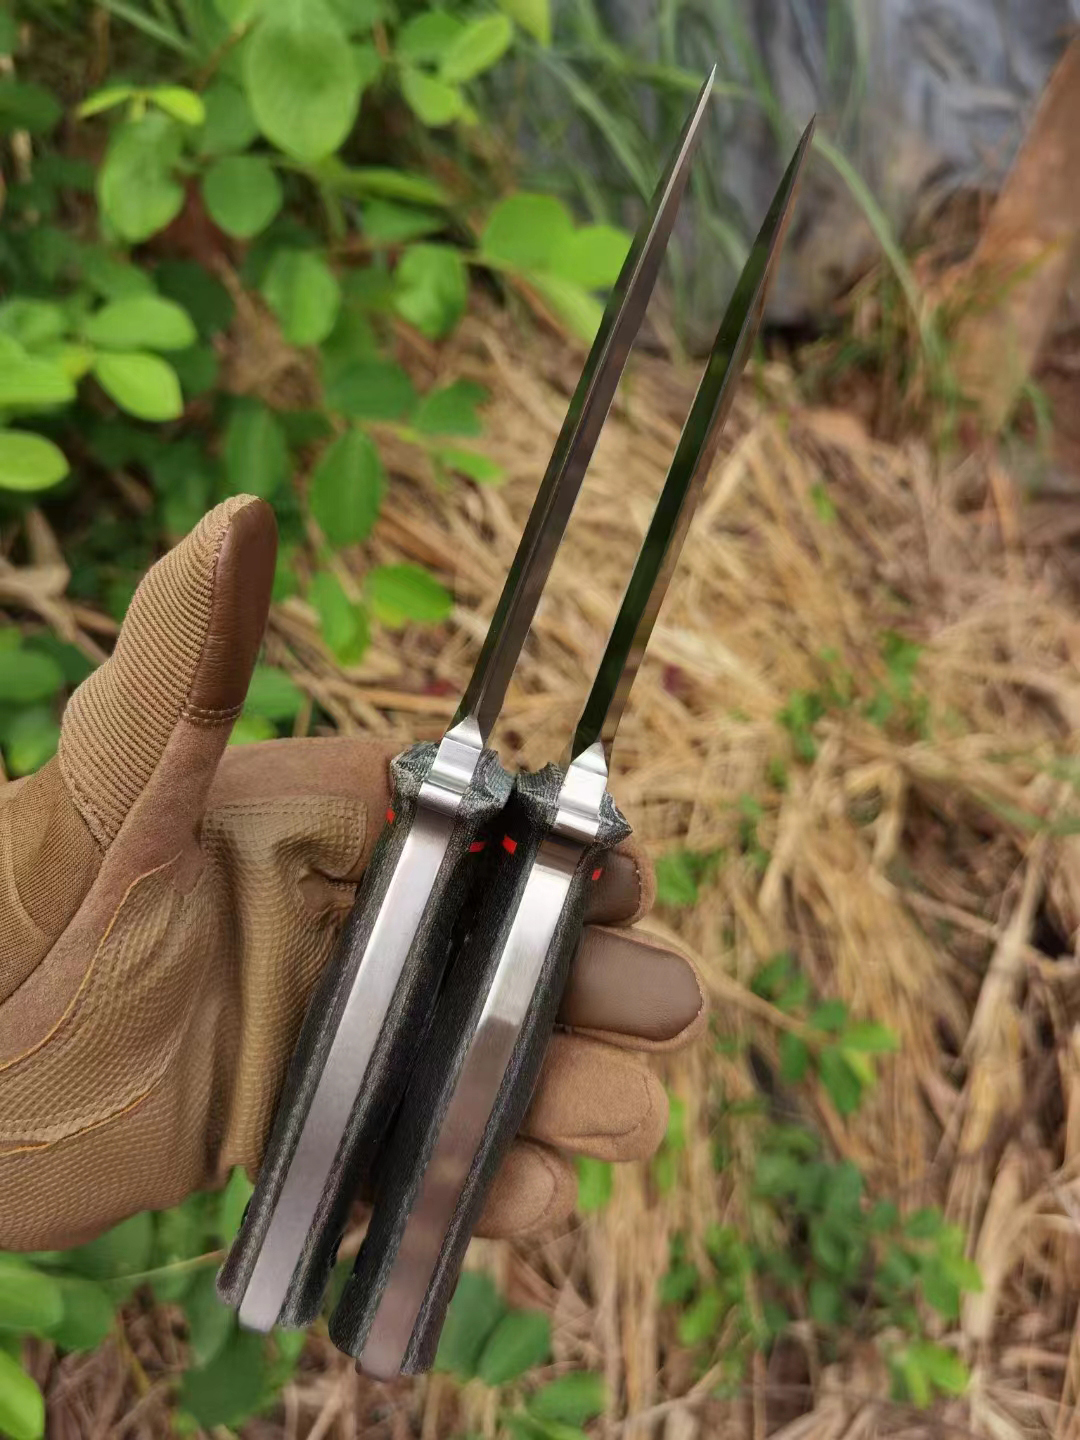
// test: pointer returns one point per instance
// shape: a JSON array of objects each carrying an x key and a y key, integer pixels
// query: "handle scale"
[
  {"x": 360, "y": 1037},
  {"x": 467, "y": 1098}
]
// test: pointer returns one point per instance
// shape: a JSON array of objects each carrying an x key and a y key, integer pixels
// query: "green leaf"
[
  {"x": 826, "y": 1301},
  {"x": 473, "y": 466},
  {"x": 29, "y": 462},
  {"x": 829, "y": 1017},
  {"x": 25, "y": 676},
  {"x": 403, "y": 593},
  {"x": 431, "y": 288},
  {"x": 388, "y": 184},
  {"x": 427, "y": 36},
  {"x": 135, "y": 185},
  {"x": 242, "y": 194},
  {"x": 9, "y": 33},
  {"x": 591, "y": 257},
  {"x": 874, "y": 1039},
  {"x": 273, "y": 696},
  {"x": 943, "y": 1366},
  {"x": 25, "y": 106},
  {"x": 939, "y": 1291},
  {"x": 238, "y": 13},
  {"x": 32, "y": 322},
  {"x": 210, "y": 1323},
  {"x": 525, "y": 231},
  {"x": 22, "y": 1405},
  {"x": 105, "y": 99},
  {"x": 844, "y": 1087},
  {"x": 27, "y": 383},
  {"x": 229, "y": 125},
  {"x": 123, "y": 1250},
  {"x": 528, "y": 1427},
  {"x": 144, "y": 385},
  {"x": 925, "y": 1224},
  {"x": 303, "y": 293},
  {"x": 476, "y": 48},
  {"x": 250, "y": 729},
  {"x": 676, "y": 879},
  {"x": 256, "y": 453},
  {"x": 196, "y": 369},
  {"x": 679, "y": 1283},
  {"x": 238, "y": 1191},
  {"x": 391, "y": 224},
  {"x": 30, "y": 1300},
  {"x": 432, "y": 101},
  {"x": 201, "y": 294},
  {"x": 30, "y": 740},
  {"x": 595, "y": 1183},
  {"x": 572, "y": 304},
  {"x": 451, "y": 410},
  {"x": 794, "y": 1058},
  {"x": 701, "y": 1320},
  {"x": 231, "y": 1387},
  {"x": 371, "y": 390},
  {"x": 347, "y": 488},
  {"x": 343, "y": 624},
  {"x": 473, "y": 1314},
  {"x": 572, "y": 1399},
  {"x": 179, "y": 102},
  {"x": 301, "y": 79},
  {"x": 534, "y": 16},
  {"x": 141, "y": 322},
  {"x": 88, "y": 1314},
  {"x": 520, "y": 1341}
]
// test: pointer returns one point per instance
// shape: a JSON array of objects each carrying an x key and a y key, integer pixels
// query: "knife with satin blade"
[
  {"x": 365, "y": 1024},
  {"x": 469, "y": 1093}
]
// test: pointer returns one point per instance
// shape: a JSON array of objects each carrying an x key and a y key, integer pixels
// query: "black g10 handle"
[
  {"x": 362, "y": 1033},
  {"x": 469, "y": 1093}
]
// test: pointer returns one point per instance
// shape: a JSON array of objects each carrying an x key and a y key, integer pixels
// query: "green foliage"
[
  {"x": 71, "y": 1298},
  {"x": 680, "y": 875},
  {"x": 828, "y": 1043},
  {"x": 595, "y": 1183},
  {"x": 816, "y": 1246}
]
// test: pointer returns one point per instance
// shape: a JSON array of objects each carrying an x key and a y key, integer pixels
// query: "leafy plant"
[
  {"x": 828, "y": 1043},
  {"x": 819, "y": 1249},
  {"x": 486, "y": 1341},
  {"x": 250, "y": 125},
  {"x": 71, "y": 1298}
]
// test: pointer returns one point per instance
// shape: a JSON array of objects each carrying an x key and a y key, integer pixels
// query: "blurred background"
[{"x": 348, "y": 255}]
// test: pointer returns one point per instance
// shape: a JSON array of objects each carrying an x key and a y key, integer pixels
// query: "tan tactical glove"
[{"x": 166, "y": 906}]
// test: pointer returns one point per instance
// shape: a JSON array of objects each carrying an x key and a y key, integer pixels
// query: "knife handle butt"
[
  {"x": 469, "y": 1094},
  {"x": 361, "y": 1035}
]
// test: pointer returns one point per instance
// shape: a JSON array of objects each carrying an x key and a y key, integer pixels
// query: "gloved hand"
[{"x": 166, "y": 907}]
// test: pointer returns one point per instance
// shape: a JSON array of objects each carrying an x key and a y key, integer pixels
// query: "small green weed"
[{"x": 486, "y": 1341}]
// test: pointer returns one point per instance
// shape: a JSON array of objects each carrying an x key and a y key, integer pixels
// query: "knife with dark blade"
[
  {"x": 469, "y": 1093},
  {"x": 366, "y": 1021}
]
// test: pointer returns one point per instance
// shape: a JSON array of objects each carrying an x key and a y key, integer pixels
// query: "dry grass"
[{"x": 922, "y": 870}]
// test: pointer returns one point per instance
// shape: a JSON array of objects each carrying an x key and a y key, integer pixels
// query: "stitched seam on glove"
[
  {"x": 85, "y": 981},
  {"x": 41, "y": 1146}
]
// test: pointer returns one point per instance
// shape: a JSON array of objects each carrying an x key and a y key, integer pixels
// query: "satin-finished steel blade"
[
  {"x": 686, "y": 476},
  {"x": 585, "y": 418}
]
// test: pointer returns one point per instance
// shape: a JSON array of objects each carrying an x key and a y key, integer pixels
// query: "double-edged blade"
[
  {"x": 573, "y": 451},
  {"x": 687, "y": 473}
]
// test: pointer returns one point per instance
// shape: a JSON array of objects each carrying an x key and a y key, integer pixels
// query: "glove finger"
[
  {"x": 630, "y": 988},
  {"x": 626, "y": 890},
  {"x": 183, "y": 659},
  {"x": 535, "y": 1189},
  {"x": 182, "y": 662},
  {"x": 597, "y": 1100}
]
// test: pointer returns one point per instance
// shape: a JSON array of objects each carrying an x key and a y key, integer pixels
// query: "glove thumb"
[
  {"x": 184, "y": 657},
  {"x": 142, "y": 736}
]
